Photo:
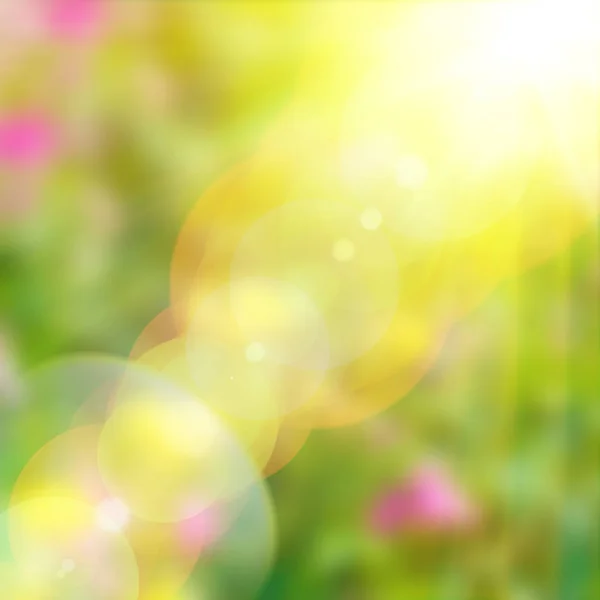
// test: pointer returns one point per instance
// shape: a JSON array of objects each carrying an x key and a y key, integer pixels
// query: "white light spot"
[
  {"x": 255, "y": 352},
  {"x": 343, "y": 250},
  {"x": 370, "y": 219},
  {"x": 411, "y": 172},
  {"x": 112, "y": 514},
  {"x": 66, "y": 567}
]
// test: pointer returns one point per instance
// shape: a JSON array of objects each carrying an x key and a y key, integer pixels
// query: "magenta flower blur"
[
  {"x": 73, "y": 19},
  {"x": 428, "y": 500},
  {"x": 26, "y": 140}
]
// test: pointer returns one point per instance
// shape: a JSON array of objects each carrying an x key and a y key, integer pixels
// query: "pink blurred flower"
[
  {"x": 200, "y": 531},
  {"x": 428, "y": 500},
  {"x": 72, "y": 19},
  {"x": 26, "y": 140},
  {"x": 18, "y": 23}
]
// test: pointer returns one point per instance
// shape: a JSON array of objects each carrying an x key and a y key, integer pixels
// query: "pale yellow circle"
[
  {"x": 343, "y": 250},
  {"x": 247, "y": 378},
  {"x": 256, "y": 436},
  {"x": 168, "y": 458},
  {"x": 349, "y": 274},
  {"x": 255, "y": 352},
  {"x": 371, "y": 219}
]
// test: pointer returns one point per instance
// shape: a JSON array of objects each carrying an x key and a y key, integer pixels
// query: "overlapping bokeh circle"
[
  {"x": 128, "y": 486},
  {"x": 312, "y": 286}
]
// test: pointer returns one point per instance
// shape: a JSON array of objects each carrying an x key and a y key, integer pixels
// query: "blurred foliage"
[{"x": 511, "y": 406}]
